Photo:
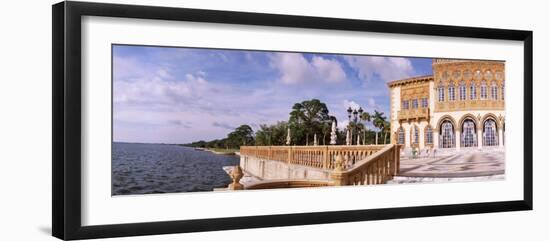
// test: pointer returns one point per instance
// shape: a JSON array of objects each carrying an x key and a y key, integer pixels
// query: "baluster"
[
  {"x": 379, "y": 174},
  {"x": 386, "y": 168},
  {"x": 380, "y": 170},
  {"x": 371, "y": 175},
  {"x": 369, "y": 178},
  {"x": 382, "y": 166}
]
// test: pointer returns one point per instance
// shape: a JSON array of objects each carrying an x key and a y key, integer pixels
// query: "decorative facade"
[{"x": 460, "y": 106}]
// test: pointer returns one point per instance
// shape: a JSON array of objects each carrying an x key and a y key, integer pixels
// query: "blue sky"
[{"x": 180, "y": 95}]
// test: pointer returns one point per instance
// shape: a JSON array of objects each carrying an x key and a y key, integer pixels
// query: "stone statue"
[
  {"x": 358, "y": 140},
  {"x": 315, "y": 139},
  {"x": 333, "y": 134},
  {"x": 348, "y": 138},
  {"x": 288, "y": 136}
]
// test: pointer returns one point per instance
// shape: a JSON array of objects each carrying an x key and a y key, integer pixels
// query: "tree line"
[{"x": 307, "y": 120}]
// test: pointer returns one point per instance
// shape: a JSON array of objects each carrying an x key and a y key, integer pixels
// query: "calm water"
[{"x": 157, "y": 168}]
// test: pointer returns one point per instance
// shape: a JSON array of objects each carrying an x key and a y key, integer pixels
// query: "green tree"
[
  {"x": 378, "y": 120},
  {"x": 307, "y": 118},
  {"x": 272, "y": 134},
  {"x": 386, "y": 130},
  {"x": 365, "y": 116},
  {"x": 242, "y": 135}
]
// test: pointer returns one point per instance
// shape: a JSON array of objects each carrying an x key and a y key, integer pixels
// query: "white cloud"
[
  {"x": 387, "y": 68},
  {"x": 178, "y": 109},
  {"x": 352, "y": 104},
  {"x": 370, "y": 106},
  {"x": 329, "y": 70},
  {"x": 371, "y": 102},
  {"x": 294, "y": 68},
  {"x": 138, "y": 83}
]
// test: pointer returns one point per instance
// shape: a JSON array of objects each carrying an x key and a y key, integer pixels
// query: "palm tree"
[
  {"x": 365, "y": 116},
  {"x": 386, "y": 130},
  {"x": 378, "y": 122}
]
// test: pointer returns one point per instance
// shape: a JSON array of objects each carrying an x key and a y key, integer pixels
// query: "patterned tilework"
[{"x": 470, "y": 163}]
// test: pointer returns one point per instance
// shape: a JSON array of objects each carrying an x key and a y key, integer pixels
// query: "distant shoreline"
[
  {"x": 218, "y": 151},
  {"x": 149, "y": 143}
]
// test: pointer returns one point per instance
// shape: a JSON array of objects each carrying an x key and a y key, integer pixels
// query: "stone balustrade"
[
  {"x": 378, "y": 168},
  {"x": 312, "y": 156},
  {"x": 307, "y": 166}
]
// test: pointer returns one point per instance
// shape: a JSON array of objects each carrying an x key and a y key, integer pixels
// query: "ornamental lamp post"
[{"x": 354, "y": 116}]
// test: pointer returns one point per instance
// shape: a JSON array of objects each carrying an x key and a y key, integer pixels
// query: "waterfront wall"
[{"x": 277, "y": 170}]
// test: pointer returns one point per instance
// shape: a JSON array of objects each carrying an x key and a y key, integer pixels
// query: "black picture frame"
[{"x": 66, "y": 157}]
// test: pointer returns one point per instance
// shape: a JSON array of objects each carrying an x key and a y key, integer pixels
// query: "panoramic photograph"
[{"x": 208, "y": 120}]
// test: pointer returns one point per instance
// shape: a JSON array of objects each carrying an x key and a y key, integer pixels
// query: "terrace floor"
[{"x": 461, "y": 164}]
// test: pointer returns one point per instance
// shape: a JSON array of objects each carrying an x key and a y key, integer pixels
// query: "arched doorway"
[
  {"x": 446, "y": 135},
  {"x": 468, "y": 136},
  {"x": 490, "y": 135}
]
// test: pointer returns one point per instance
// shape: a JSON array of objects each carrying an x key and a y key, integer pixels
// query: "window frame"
[
  {"x": 462, "y": 91},
  {"x": 441, "y": 93},
  {"x": 452, "y": 95},
  {"x": 473, "y": 91},
  {"x": 483, "y": 90}
]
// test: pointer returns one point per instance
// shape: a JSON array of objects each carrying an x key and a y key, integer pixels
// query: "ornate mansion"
[{"x": 460, "y": 106}]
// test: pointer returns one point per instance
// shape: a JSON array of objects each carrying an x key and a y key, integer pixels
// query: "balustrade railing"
[
  {"x": 378, "y": 168},
  {"x": 312, "y": 156}
]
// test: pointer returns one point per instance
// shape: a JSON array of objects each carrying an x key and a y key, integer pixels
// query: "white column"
[
  {"x": 457, "y": 139},
  {"x": 479, "y": 139},
  {"x": 500, "y": 142}
]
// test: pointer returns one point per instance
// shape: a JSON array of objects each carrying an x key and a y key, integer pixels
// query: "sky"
[{"x": 181, "y": 95}]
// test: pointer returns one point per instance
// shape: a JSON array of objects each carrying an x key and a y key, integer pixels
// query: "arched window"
[
  {"x": 400, "y": 136},
  {"x": 490, "y": 136},
  {"x": 502, "y": 95},
  {"x": 429, "y": 135},
  {"x": 451, "y": 92},
  {"x": 473, "y": 91},
  {"x": 415, "y": 135},
  {"x": 441, "y": 93},
  {"x": 469, "y": 136},
  {"x": 462, "y": 91},
  {"x": 446, "y": 135},
  {"x": 483, "y": 90},
  {"x": 494, "y": 91}
]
